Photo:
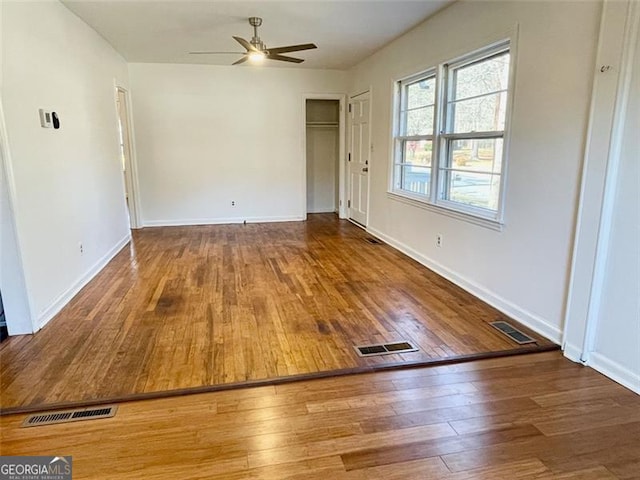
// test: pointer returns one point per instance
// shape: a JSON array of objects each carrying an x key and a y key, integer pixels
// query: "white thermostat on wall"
[{"x": 45, "y": 119}]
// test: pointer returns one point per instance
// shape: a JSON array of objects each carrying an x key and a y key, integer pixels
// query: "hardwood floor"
[
  {"x": 194, "y": 307},
  {"x": 528, "y": 417}
]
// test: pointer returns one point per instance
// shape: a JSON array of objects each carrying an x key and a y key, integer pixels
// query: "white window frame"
[
  {"x": 442, "y": 137},
  {"x": 400, "y": 138}
]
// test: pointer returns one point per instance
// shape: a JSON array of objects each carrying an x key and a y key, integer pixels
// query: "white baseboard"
[
  {"x": 64, "y": 298},
  {"x": 606, "y": 366},
  {"x": 534, "y": 322},
  {"x": 615, "y": 371},
  {"x": 219, "y": 221},
  {"x": 322, "y": 210},
  {"x": 572, "y": 352}
]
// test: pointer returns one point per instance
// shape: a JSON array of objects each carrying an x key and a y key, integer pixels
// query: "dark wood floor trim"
[{"x": 281, "y": 380}]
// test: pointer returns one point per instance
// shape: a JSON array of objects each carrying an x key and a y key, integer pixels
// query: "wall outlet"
[
  {"x": 233, "y": 203},
  {"x": 439, "y": 240},
  {"x": 81, "y": 248}
]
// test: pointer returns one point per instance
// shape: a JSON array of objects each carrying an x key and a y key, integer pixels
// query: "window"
[
  {"x": 415, "y": 142},
  {"x": 449, "y": 143}
]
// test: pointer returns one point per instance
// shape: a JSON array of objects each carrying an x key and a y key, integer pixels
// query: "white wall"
[
  {"x": 210, "y": 135},
  {"x": 322, "y": 165},
  {"x": 68, "y": 182},
  {"x": 522, "y": 270}
]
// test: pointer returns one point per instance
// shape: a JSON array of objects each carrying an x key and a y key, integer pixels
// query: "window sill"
[{"x": 464, "y": 216}]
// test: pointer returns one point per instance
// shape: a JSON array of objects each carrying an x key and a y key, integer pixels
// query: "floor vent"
[
  {"x": 373, "y": 241},
  {"x": 50, "y": 418},
  {"x": 512, "y": 332},
  {"x": 385, "y": 348}
]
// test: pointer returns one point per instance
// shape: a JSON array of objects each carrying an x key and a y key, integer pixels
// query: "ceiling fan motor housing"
[{"x": 255, "y": 22}]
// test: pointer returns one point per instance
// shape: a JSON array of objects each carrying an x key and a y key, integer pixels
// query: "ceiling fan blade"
[
  {"x": 292, "y": 48},
  {"x": 245, "y": 44},
  {"x": 242, "y": 60},
  {"x": 216, "y": 53},
  {"x": 283, "y": 58}
]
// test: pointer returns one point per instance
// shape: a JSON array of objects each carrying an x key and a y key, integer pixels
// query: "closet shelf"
[{"x": 322, "y": 124}]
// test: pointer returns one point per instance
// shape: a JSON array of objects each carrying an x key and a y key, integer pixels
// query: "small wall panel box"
[{"x": 45, "y": 119}]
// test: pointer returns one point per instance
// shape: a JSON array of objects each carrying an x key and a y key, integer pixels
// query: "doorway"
[
  {"x": 126, "y": 154},
  {"x": 323, "y": 155},
  {"x": 358, "y": 158}
]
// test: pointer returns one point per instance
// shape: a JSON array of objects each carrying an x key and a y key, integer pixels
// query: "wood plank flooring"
[
  {"x": 193, "y": 307},
  {"x": 528, "y": 417}
]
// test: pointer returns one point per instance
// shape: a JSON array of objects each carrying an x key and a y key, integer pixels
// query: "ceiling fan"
[{"x": 257, "y": 51}]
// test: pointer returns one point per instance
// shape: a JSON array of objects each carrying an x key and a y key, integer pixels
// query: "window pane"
[
  {"x": 419, "y": 122},
  {"x": 474, "y": 171},
  {"x": 476, "y": 155},
  {"x": 486, "y": 76},
  {"x": 415, "y": 179},
  {"x": 417, "y": 152},
  {"x": 482, "y": 114},
  {"x": 421, "y": 93},
  {"x": 476, "y": 189}
]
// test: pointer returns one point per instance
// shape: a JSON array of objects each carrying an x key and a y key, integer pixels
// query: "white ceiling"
[{"x": 345, "y": 32}]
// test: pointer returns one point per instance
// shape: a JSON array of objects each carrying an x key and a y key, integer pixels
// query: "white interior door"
[{"x": 358, "y": 157}]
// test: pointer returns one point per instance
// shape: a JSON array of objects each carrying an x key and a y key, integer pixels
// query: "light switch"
[{"x": 45, "y": 119}]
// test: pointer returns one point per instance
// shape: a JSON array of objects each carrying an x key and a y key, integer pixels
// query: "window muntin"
[{"x": 466, "y": 154}]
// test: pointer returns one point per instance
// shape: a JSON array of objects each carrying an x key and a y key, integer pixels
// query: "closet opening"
[{"x": 323, "y": 155}]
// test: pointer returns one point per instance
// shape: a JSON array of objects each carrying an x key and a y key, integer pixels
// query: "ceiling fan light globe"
[{"x": 256, "y": 57}]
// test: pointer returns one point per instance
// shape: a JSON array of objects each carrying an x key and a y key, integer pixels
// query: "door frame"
[
  {"x": 18, "y": 304},
  {"x": 342, "y": 155},
  {"x": 369, "y": 91},
  {"x": 131, "y": 170},
  {"x": 609, "y": 99}
]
